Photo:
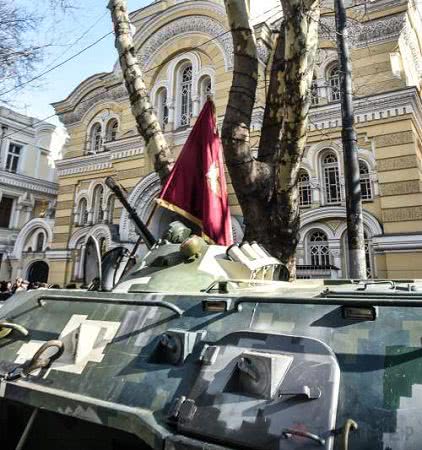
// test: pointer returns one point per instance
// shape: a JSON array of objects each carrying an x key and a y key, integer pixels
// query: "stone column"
[
  {"x": 196, "y": 105},
  {"x": 15, "y": 219},
  {"x": 171, "y": 125},
  {"x": 90, "y": 217},
  {"x": 335, "y": 252}
]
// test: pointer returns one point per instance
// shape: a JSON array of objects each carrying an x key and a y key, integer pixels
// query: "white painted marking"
[{"x": 84, "y": 341}]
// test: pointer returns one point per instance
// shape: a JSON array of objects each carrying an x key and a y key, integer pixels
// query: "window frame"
[
  {"x": 318, "y": 251},
  {"x": 185, "y": 112},
  {"x": 97, "y": 204},
  {"x": 333, "y": 83},
  {"x": 329, "y": 169},
  {"x": 96, "y": 145},
  {"x": 14, "y": 157},
  {"x": 112, "y": 128},
  {"x": 365, "y": 181},
  {"x": 205, "y": 88},
  {"x": 304, "y": 187},
  {"x": 83, "y": 213}
]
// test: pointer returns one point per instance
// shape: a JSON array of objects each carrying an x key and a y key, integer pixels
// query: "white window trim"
[
  {"x": 173, "y": 74},
  {"x": 20, "y": 157},
  {"x": 321, "y": 155}
]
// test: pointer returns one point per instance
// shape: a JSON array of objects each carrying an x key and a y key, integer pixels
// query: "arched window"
[
  {"x": 205, "y": 89},
  {"x": 110, "y": 209},
  {"x": 185, "y": 92},
  {"x": 365, "y": 181},
  {"x": 314, "y": 92},
  {"x": 112, "y": 128},
  {"x": 318, "y": 250},
  {"x": 97, "y": 205},
  {"x": 162, "y": 108},
  {"x": 83, "y": 212},
  {"x": 304, "y": 185},
  {"x": 96, "y": 138},
  {"x": 40, "y": 242},
  {"x": 333, "y": 79},
  {"x": 331, "y": 178}
]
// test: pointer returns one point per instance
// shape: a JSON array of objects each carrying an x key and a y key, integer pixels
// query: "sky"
[
  {"x": 90, "y": 21},
  {"x": 67, "y": 34}
]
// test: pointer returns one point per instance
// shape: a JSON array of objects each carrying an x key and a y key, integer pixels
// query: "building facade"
[
  {"x": 186, "y": 53},
  {"x": 28, "y": 191}
]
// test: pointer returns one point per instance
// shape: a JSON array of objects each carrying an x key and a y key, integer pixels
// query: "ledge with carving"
[
  {"x": 369, "y": 108},
  {"x": 35, "y": 185},
  {"x": 368, "y": 32}
]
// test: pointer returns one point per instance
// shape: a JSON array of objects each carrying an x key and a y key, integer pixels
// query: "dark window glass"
[{"x": 6, "y": 206}]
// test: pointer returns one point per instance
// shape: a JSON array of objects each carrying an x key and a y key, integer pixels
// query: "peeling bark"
[
  {"x": 251, "y": 178},
  {"x": 267, "y": 187},
  {"x": 301, "y": 43},
  {"x": 147, "y": 123}
]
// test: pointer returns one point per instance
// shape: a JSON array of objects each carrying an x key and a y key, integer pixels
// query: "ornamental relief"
[
  {"x": 189, "y": 24},
  {"x": 87, "y": 103},
  {"x": 364, "y": 33}
]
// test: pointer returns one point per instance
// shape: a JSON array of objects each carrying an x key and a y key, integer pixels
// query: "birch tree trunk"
[
  {"x": 267, "y": 187},
  {"x": 148, "y": 126}
]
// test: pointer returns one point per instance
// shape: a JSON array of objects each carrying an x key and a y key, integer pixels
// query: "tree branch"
[{"x": 142, "y": 109}]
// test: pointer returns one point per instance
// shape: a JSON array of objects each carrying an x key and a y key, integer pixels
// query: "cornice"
[
  {"x": 370, "y": 108},
  {"x": 397, "y": 243},
  {"x": 28, "y": 183},
  {"x": 362, "y": 34},
  {"x": 86, "y": 163}
]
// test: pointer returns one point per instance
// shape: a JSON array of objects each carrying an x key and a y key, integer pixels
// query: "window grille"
[
  {"x": 304, "y": 185},
  {"x": 112, "y": 128},
  {"x": 110, "y": 209},
  {"x": 314, "y": 92},
  {"x": 365, "y": 181},
  {"x": 13, "y": 155},
  {"x": 96, "y": 138},
  {"x": 205, "y": 89},
  {"x": 40, "y": 242},
  {"x": 98, "y": 204},
  {"x": 83, "y": 212},
  {"x": 319, "y": 252},
  {"x": 186, "y": 96},
  {"x": 334, "y": 83},
  {"x": 163, "y": 111},
  {"x": 331, "y": 179}
]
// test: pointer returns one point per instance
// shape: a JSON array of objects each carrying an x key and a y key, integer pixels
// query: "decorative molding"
[
  {"x": 27, "y": 230},
  {"x": 58, "y": 254},
  {"x": 400, "y": 242},
  {"x": 142, "y": 200},
  {"x": 26, "y": 183},
  {"x": 364, "y": 33},
  {"x": 370, "y": 108},
  {"x": 411, "y": 39},
  {"x": 81, "y": 164},
  {"x": 184, "y": 25},
  {"x": 336, "y": 212},
  {"x": 117, "y": 92}
]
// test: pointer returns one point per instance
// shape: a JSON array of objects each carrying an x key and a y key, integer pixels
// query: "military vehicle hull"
[{"x": 259, "y": 371}]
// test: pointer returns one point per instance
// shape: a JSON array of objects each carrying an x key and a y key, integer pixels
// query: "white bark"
[{"x": 142, "y": 109}]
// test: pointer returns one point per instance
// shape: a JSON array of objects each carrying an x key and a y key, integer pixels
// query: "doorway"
[{"x": 38, "y": 272}]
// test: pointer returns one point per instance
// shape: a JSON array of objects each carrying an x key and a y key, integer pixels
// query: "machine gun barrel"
[{"x": 149, "y": 239}]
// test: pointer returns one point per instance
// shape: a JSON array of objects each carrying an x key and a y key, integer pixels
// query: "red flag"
[{"x": 196, "y": 187}]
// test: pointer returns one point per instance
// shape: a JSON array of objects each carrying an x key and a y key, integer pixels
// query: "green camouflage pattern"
[{"x": 380, "y": 362}]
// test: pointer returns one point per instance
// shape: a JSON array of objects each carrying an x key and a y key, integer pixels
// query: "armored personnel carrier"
[{"x": 196, "y": 346}]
